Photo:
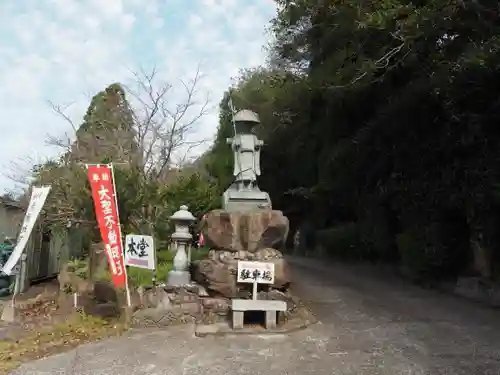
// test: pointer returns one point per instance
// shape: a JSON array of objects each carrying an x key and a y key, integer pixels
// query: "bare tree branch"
[
  {"x": 20, "y": 172},
  {"x": 165, "y": 126},
  {"x": 64, "y": 141}
]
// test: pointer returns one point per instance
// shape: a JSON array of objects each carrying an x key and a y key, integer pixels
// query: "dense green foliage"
[{"x": 380, "y": 122}]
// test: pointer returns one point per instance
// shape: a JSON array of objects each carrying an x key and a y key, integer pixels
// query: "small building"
[{"x": 46, "y": 251}]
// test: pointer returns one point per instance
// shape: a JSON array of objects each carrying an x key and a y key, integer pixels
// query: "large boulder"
[
  {"x": 218, "y": 273},
  {"x": 237, "y": 231}
]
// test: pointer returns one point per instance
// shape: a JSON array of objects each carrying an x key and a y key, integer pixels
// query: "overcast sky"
[{"x": 64, "y": 51}]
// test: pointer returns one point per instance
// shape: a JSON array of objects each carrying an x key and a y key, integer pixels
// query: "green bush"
[
  {"x": 199, "y": 254},
  {"x": 423, "y": 255},
  {"x": 411, "y": 246},
  {"x": 343, "y": 241},
  {"x": 379, "y": 242},
  {"x": 165, "y": 256}
]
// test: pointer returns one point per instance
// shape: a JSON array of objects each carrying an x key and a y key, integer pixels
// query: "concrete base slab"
[
  {"x": 257, "y": 305},
  {"x": 303, "y": 319}
]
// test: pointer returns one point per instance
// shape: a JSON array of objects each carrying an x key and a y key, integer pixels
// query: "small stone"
[
  {"x": 170, "y": 288},
  {"x": 164, "y": 304},
  {"x": 191, "y": 308},
  {"x": 192, "y": 288},
  {"x": 202, "y": 292},
  {"x": 207, "y": 329},
  {"x": 219, "y": 306},
  {"x": 173, "y": 298}
]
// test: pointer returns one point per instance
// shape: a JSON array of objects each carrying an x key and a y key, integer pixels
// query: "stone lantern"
[{"x": 179, "y": 275}]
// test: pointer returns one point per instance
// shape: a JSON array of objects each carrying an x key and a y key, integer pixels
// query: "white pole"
[
  {"x": 127, "y": 289},
  {"x": 254, "y": 291}
]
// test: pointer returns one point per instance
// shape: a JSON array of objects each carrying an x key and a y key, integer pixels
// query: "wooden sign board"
[{"x": 255, "y": 272}]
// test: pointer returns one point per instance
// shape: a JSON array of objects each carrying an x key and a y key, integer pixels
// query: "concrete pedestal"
[
  {"x": 270, "y": 307},
  {"x": 178, "y": 278}
]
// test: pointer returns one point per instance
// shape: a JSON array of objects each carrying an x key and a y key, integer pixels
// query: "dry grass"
[{"x": 77, "y": 330}]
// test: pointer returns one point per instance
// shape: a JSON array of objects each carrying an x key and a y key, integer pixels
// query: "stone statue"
[
  {"x": 244, "y": 194},
  {"x": 246, "y": 150}
]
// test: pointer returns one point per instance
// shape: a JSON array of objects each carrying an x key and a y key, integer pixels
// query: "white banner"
[{"x": 37, "y": 200}]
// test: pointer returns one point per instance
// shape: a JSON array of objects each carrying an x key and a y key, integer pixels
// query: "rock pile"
[
  {"x": 235, "y": 236},
  {"x": 218, "y": 273},
  {"x": 98, "y": 298}
]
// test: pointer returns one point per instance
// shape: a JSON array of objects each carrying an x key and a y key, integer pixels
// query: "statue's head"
[{"x": 245, "y": 120}]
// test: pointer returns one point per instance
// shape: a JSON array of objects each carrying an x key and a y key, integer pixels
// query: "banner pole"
[{"x": 127, "y": 289}]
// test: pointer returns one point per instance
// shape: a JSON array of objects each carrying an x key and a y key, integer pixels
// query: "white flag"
[{"x": 37, "y": 200}]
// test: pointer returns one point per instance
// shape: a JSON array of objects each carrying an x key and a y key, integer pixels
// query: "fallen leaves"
[{"x": 75, "y": 331}]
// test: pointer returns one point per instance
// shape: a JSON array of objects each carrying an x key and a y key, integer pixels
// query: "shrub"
[
  {"x": 423, "y": 254},
  {"x": 343, "y": 241}
]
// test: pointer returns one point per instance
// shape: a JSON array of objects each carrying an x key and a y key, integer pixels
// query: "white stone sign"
[
  {"x": 37, "y": 200},
  {"x": 140, "y": 251},
  {"x": 255, "y": 272}
]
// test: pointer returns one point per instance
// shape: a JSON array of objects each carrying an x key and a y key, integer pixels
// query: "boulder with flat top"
[{"x": 245, "y": 231}]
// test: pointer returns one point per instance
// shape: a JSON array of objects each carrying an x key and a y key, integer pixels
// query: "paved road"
[
  {"x": 368, "y": 326},
  {"x": 394, "y": 327}
]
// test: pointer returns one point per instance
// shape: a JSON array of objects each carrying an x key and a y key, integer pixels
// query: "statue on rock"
[
  {"x": 244, "y": 195},
  {"x": 246, "y": 228}
]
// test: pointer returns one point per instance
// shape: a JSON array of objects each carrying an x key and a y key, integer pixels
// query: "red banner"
[{"x": 104, "y": 194}]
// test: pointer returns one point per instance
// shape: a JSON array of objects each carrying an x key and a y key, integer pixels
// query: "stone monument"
[
  {"x": 245, "y": 229},
  {"x": 244, "y": 195}
]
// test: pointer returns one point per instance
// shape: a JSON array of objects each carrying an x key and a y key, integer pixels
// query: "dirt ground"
[
  {"x": 47, "y": 325},
  {"x": 41, "y": 314}
]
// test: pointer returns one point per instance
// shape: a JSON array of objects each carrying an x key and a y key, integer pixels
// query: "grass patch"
[
  {"x": 142, "y": 277},
  {"x": 77, "y": 330},
  {"x": 201, "y": 253},
  {"x": 165, "y": 258},
  {"x": 79, "y": 266}
]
